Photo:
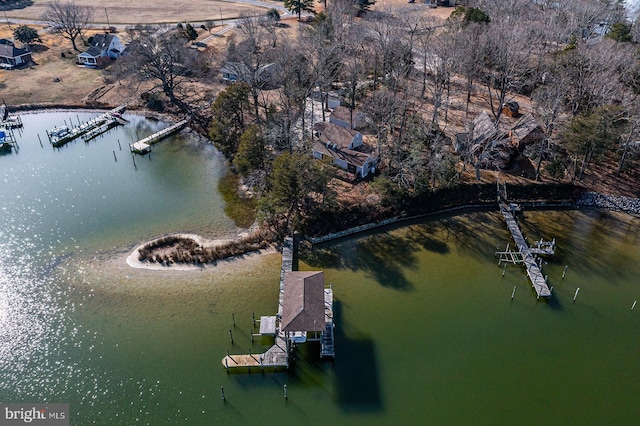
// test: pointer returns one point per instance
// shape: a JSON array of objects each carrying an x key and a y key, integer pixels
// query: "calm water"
[{"x": 427, "y": 332}]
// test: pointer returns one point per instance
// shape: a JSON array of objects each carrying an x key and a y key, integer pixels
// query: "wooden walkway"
[
  {"x": 143, "y": 146},
  {"x": 525, "y": 254},
  {"x": 327, "y": 342},
  {"x": 83, "y": 128}
]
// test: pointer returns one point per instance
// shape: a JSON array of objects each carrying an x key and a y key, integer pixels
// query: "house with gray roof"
[
  {"x": 344, "y": 148},
  {"x": 103, "y": 47},
  {"x": 13, "y": 57}
]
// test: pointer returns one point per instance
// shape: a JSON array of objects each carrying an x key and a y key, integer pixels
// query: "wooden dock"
[
  {"x": 143, "y": 146},
  {"x": 278, "y": 355},
  {"x": 327, "y": 340},
  {"x": 525, "y": 254},
  {"x": 82, "y": 128}
]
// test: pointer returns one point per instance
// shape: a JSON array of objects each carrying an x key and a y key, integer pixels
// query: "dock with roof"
[{"x": 305, "y": 313}]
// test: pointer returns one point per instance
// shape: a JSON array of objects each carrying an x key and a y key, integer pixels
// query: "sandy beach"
[{"x": 133, "y": 261}]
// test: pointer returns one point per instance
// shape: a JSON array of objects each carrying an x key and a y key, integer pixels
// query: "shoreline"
[{"x": 589, "y": 200}]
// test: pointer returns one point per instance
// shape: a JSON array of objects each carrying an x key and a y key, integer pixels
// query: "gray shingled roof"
[{"x": 303, "y": 301}]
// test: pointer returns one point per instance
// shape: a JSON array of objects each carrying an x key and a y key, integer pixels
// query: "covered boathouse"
[{"x": 305, "y": 313}]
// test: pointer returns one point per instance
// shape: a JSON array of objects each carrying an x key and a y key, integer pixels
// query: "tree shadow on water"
[{"x": 382, "y": 256}]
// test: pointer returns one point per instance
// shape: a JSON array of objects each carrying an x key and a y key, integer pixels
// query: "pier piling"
[
  {"x": 286, "y": 396},
  {"x": 231, "y": 336},
  {"x": 564, "y": 272},
  {"x": 634, "y": 304},
  {"x": 513, "y": 293},
  {"x": 233, "y": 318},
  {"x": 114, "y": 156},
  {"x": 576, "y": 295},
  {"x": 222, "y": 392}
]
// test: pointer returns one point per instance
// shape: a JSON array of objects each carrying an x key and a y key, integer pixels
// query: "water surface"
[{"x": 426, "y": 328}]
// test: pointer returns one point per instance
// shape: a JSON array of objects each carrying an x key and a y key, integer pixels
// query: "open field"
[
  {"x": 122, "y": 12},
  {"x": 150, "y": 11}
]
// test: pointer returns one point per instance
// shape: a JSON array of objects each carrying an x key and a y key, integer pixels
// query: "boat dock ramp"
[
  {"x": 525, "y": 255},
  {"x": 7, "y": 120},
  {"x": 105, "y": 127},
  {"x": 60, "y": 135},
  {"x": 285, "y": 335},
  {"x": 143, "y": 146}
]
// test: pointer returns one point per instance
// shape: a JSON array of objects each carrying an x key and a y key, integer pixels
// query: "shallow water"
[{"x": 426, "y": 328}]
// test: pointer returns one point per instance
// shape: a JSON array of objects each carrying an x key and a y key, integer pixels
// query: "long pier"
[
  {"x": 525, "y": 254},
  {"x": 143, "y": 146}
]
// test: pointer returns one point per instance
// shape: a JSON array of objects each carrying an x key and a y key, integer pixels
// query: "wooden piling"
[
  {"x": 119, "y": 146},
  {"x": 576, "y": 295},
  {"x": 114, "y": 156},
  {"x": 564, "y": 272},
  {"x": 286, "y": 396},
  {"x": 634, "y": 304},
  {"x": 222, "y": 393},
  {"x": 504, "y": 269},
  {"x": 233, "y": 318},
  {"x": 513, "y": 293},
  {"x": 231, "y": 336}
]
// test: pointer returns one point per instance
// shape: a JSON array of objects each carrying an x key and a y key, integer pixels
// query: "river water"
[{"x": 426, "y": 328}]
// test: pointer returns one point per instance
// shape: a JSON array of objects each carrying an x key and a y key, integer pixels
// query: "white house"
[
  {"x": 344, "y": 148},
  {"x": 103, "y": 46}
]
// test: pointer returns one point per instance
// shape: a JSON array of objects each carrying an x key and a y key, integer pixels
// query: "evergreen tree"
[
  {"x": 191, "y": 32},
  {"x": 364, "y": 5},
  {"x": 620, "y": 31},
  {"x": 228, "y": 111},
  {"x": 26, "y": 35},
  {"x": 251, "y": 151},
  {"x": 299, "y": 6}
]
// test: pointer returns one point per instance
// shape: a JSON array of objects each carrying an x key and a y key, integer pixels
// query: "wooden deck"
[
  {"x": 526, "y": 256},
  {"x": 143, "y": 146},
  {"x": 275, "y": 357}
]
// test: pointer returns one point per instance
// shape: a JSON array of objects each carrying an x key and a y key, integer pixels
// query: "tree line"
[{"x": 419, "y": 80}]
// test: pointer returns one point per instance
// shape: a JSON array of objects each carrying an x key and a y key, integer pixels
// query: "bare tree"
[
  {"x": 67, "y": 19},
  {"x": 630, "y": 142},
  {"x": 508, "y": 65},
  {"x": 548, "y": 103},
  {"x": 593, "y": 72},
  {"x": 254, "y": 53},
  {"x": 161, "y": 58}
]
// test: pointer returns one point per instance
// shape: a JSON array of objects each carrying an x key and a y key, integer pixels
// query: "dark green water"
[{"x": 426, "y": 329}]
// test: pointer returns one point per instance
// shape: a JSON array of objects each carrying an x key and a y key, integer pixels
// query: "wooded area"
[{"x": 570, "y": 70}]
